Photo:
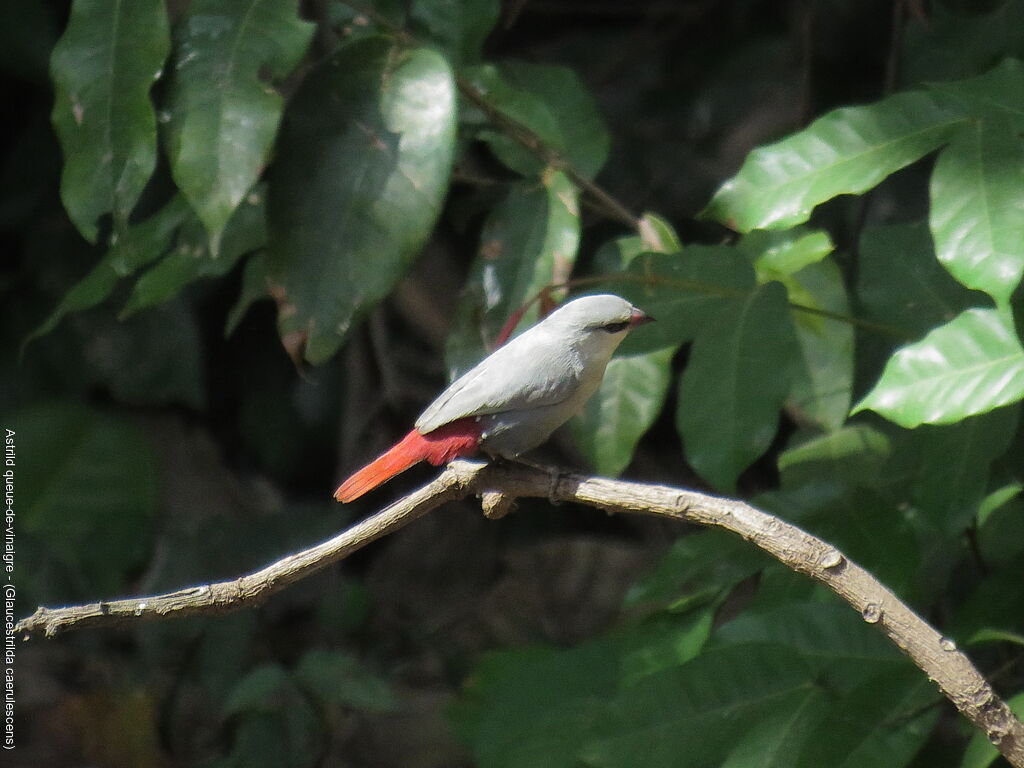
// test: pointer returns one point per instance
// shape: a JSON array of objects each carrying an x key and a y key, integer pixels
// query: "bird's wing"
[{"x": 528, "y": 372}]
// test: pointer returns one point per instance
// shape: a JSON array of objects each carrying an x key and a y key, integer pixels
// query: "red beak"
[{"x": 637, "y": 317}]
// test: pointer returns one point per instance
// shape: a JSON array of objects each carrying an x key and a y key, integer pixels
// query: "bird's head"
[{"x": 596, "y": 324}]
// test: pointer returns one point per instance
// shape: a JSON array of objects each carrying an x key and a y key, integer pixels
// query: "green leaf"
[
  {"x": 980, "y": 751},
  {"x": 224, "y": 113},
  {"x": 848, "y": 151},
  {"x": 697, "y": 568},
  {"x": 852, "y": 453},
  {"x": 881, "y": 724},
  {"x": 772, "y": 742},
  {"x": 528, "y": 241},
  {"x": 994, "y": 96},
  {"x": 103, "y": 67},
  {"x": 692, "y": 715},
  {"x": 140, "y": 245},
  {"x": 625, "y": 406},
  {"x": 779, "y": 254},
  {"x": 738, "y": 374},
  {"x": 977, "y": 207},
  {"x": 360, "y": 177},
  {"x": 955, "y": 463},
  {"x": 901, "y": 284},
  {"x": 823, "y": 384},
  {"x": 458, "y": 26},
  {"x": 550, "y": 101},
  {"x": 997, "y": 499},
  {"x": 335, "y": 677},
  {"x": 656, "y": 236},
  {"x": 258, "y": 690},
  {"x": 968, "y": 366},
  {"x": 191, "y": 259},
  {"x": 684, "y": 291},
  {"x": 88, "y": 484}
]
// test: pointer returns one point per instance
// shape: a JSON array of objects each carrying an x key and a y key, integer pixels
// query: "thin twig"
[{"x": 499, "y": 484}]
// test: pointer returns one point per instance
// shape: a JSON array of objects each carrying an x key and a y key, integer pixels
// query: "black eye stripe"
[{"x": 615, "y": 327}]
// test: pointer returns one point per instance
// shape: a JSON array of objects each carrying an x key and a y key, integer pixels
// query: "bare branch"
[{"x": 500, "y": 484}]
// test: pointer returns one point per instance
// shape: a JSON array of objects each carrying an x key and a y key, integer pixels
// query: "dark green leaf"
[
  {"x": 656, "y": 236},
  {"x": 693, "y": 715},
  {"x": 140, "y": 245},
  {"x": 997, "y": 95},
  {"x": 977, "y": 207},
  {"x": 955, "y": 463},
  {"x": 550, "y": 101},
  {"x": 950, "y": 44},
  {"x": 458, "y": 26},
  {"x": 258, "y": 690},
  {"x": 882, "y": 724},
  {"x": 901, "y": 284},
  {"x": 968, "y": 366},
  {"x": 88, "y": 488},
  {"x": 254, "y": 288},
  {"x": 528, "y": 241},
  {"x": 698, "y": 568},
  {"x": 223, "y": 112},
  {"x": 684, "y": 291},
  {"x": 848, "y": 151},
  {"x": 739, "y": 372},
  {"x": 853, "y": 453},
  {"x": 103, "y": 67},
  {"x": 627, "y": 403},
  {"x": 359, "y": 180},
  {"x": 191, "y": 259},
  {"x": 335, "y": 677},
  {"x": 772, "y": 742}
]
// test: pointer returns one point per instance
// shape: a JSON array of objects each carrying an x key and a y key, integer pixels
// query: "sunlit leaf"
[
  {"x": 848, "y": 151},
  {"x": 528, "y": 241},
  {"x": 361, "y": 173},
  {"x": 738, "y": 374},
  {"x": 852, "y": 453},
  {"x": 968, "y": 366},
  {"x": 223, "y": 111},
  {"x": 102, "y": 68}
]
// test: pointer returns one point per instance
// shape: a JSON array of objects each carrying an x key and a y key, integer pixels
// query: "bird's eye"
[{"x": 615, "y": 327}]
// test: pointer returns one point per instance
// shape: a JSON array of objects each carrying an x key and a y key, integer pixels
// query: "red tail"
[{"x": 460, "y": 438}]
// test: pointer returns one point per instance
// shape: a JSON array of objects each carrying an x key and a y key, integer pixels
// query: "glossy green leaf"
[
  {"x": 980, "y": 751},
  {"x": 140, "y": 245},
  {"x": 823, "y": 383},
  {"x": 223, "y": 111},
  {"x": 966, "y": 367},
  {"x": 191, "y": 259},
  {"x": 848, "y": 151},
  {"x": 779, "y": 254},
  {"x": 458, "y": 26},
  {"x": 955, "y": 463},
  {"x": 881, "y": 724},
  {"x": 550, "y": 101},
  {"x": 739, "y": 372},
  {"x": 977, "y": 207},
  {"x": 692, "y": 715},
  {"x": 360, "y": 176},
  {"x": 684, "y": 291},
  {"x": 630, "y": 398},
  {"x": 656, "y": 236},
  {"x": 87, "y": 487},
  {"x": 528, "y": 241},
  {"x": 102, "y": 68}
]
